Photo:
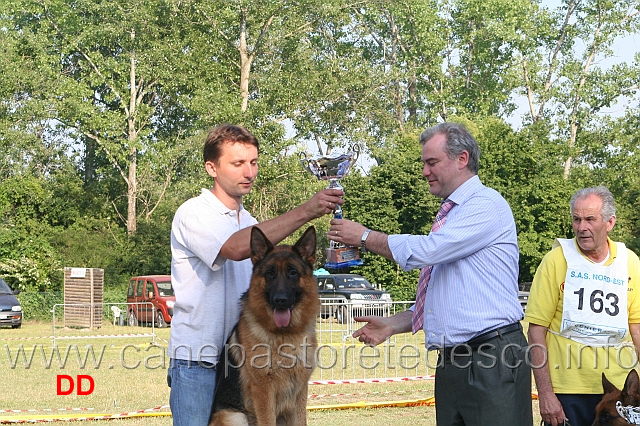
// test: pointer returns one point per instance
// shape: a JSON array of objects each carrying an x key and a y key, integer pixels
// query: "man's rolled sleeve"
[
  {"x": 401, "y": 252},
  {"x": 400, "y": 249}
]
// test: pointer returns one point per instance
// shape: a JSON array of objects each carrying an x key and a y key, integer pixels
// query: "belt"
[
  {"x": 478, "y": 340},
  {"x": 473, "y": 344}
]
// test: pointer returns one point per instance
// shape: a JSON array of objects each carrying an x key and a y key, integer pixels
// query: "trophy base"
[{"x": 343, "y": 257}]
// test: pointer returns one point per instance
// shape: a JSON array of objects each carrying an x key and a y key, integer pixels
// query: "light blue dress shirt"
[{"x": 474, "y": 282}]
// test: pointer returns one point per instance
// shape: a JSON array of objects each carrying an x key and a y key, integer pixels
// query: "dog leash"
[
  {"x": 565, "y": 422},
  {"x": 629, "y": 413}
]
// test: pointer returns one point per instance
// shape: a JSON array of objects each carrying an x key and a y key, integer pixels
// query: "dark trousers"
[
  {"x": 580, "y": 409},
  {"x": 489, "y": 385}
]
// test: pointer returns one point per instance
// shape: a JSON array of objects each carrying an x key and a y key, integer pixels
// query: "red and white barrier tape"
[
  {"x": 101, "y": 336},
  {"x": 87, "y": 417},
  {"x": 27, "y": 338},
  {"x": 94, "y": 336},
  {"x": 330, "y": 395},
  {"x": 357, "y": 381},
  {"x": 45, "y": 410}
]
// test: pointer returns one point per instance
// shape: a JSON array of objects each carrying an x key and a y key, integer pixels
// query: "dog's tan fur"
[
  {"x": 274, "y": 387},
  {"x": 606, "y": 413}
]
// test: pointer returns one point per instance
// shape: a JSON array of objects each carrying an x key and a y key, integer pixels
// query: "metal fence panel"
[
  {"x": 341, "y": 357},
  {"x": 116, "y": 321}
]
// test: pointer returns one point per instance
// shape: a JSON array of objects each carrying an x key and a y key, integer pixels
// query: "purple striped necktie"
[{"x": 418, "y": 312}]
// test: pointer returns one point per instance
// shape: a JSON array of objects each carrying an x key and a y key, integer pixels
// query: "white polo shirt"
[{"x": 207, "y": 286}]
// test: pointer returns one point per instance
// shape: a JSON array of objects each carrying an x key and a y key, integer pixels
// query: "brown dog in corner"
[{"x": 617, "y": 403}]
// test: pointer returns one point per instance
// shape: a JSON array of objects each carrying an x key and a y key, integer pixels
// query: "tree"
[
  {"x": 613, "y": 153},
  {"x": 564, "y": 83},
  {"x": 104, "y": 108},
  {"x": 524, "y": 167},
  {"x": 119, "y": 87},
  {"x": 31, "y": 142}
]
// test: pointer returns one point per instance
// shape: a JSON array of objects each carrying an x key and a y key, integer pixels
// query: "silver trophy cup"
[{"x": 333, "y": 168}]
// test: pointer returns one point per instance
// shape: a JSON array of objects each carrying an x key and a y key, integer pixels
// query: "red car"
[{"x": 150, "y": 298}]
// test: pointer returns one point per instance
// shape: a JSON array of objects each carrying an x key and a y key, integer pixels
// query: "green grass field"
[{"x": 130, "y": 375}]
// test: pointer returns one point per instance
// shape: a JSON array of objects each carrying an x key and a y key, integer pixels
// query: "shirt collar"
[
  {"x": 613, "y": 251},
  {"x": 466, "y": 190},
  {"x": 217, "y": 204}
]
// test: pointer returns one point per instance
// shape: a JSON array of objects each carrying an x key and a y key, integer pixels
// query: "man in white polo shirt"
[
  {"x": 582, "y": 307},
  {"x": 210, "y": 266}
]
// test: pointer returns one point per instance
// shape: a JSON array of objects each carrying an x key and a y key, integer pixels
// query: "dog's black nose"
[{"x": 280, "y": 300}]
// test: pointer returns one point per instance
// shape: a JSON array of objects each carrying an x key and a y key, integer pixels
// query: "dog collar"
[{"x": 629, "y": 413}]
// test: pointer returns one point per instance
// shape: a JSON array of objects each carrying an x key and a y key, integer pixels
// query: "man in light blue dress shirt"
[{"x": 471, "y": 309}]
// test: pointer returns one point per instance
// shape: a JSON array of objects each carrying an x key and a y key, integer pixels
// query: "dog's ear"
[
  {"x": 607, "y": 386},
  {"x": 260, "y": 244},
  {"x": 306, "y": 245},
  {"x": 631, "y": 390}
]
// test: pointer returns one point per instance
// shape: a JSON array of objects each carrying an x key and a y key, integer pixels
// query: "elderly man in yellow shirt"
[{"x": 582, "y": 308}]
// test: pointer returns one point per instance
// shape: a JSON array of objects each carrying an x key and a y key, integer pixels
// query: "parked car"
[
  {"x": 10, "y": 309},
  {"x": 350, "y": 294},
  {"x": 150, "y": 298},
  {"x": 523, "y": 294}
]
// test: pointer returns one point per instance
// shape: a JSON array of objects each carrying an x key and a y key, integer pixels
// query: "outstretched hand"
[{"x": 376, "y": 331}]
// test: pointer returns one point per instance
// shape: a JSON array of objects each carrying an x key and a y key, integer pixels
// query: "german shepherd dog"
[
  {"x": 264, "y": 370},
  {"x": 606, "y": 411}
]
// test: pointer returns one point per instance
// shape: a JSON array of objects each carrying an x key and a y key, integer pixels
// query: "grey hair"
[
  {"x": 608, "y": 204},
  {"x": 458, "y": 139}
]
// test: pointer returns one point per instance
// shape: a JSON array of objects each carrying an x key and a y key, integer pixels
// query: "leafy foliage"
[{"x": 104, "y": 108}]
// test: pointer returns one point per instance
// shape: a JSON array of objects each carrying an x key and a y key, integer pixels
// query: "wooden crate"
[{"x": 83, "y": 297}]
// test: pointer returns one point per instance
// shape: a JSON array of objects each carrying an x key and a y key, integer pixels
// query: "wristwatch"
[{"x": 363, "y": 241}]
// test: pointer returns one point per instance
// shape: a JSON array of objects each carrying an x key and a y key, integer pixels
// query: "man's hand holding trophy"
[{"x": 333, "y": 168}]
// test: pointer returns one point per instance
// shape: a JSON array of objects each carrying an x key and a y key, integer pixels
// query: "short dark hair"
[
  {"x": 458, "y": 139},
  {"x": 226, "y": 133}
]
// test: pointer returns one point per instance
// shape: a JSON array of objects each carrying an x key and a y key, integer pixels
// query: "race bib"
[{"x": 595, "y": 298}]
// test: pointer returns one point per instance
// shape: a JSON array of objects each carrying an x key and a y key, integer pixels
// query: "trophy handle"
[
  {"x": 355, "y": 148},
  {"x": 354, "y": 154},
  {"x": 304, "y": 160},
  {"x": 308, "y": 164}
]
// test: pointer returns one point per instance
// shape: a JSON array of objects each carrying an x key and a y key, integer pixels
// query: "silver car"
[{"x": 10, "y": 309}]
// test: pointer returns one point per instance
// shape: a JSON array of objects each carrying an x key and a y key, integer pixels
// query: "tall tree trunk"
[
  {"x": 245, "y": 61},
  {"x": 575, "y": 125},
  {"x": 89, "y": 159},
  {"x": 132, "y": 182},
  {"x": 132, "y": 193},
  {"x": 553, "y": 64},
  {"x": 413, "y": 99}
]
